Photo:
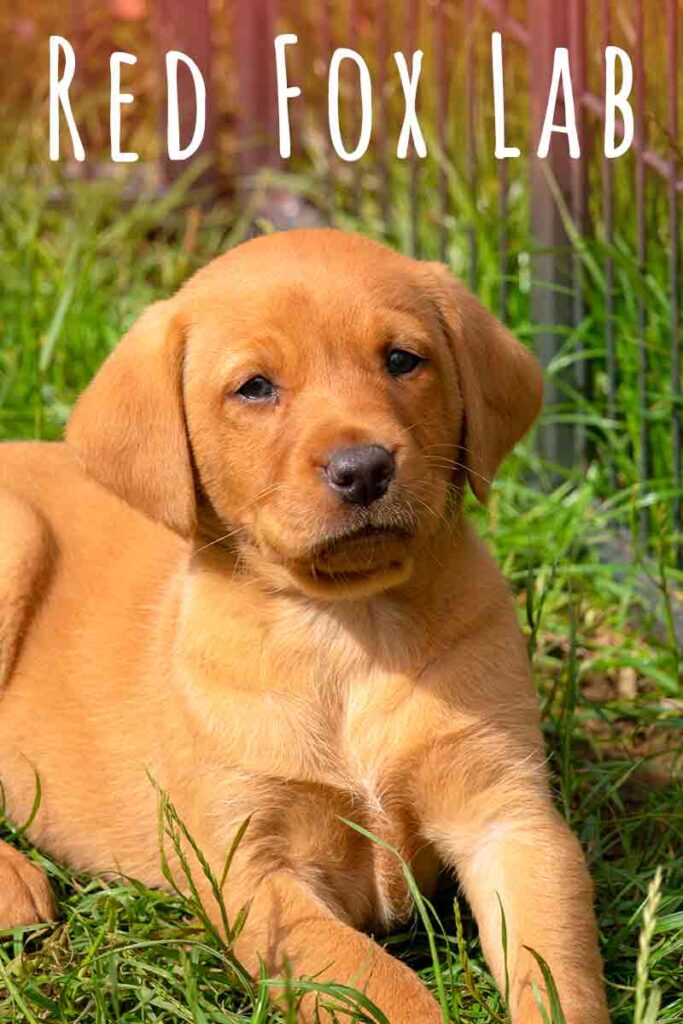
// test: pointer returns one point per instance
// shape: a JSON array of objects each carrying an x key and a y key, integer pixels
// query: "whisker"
[
  {"x": 264, "y": 492},
  {"x": 441, "y": 460},
  {"x": 439, "y": 516},
  {"x": 219, "y": 540}
]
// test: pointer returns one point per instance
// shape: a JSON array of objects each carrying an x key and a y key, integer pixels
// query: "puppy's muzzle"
[{"x": 360, "y": 475}]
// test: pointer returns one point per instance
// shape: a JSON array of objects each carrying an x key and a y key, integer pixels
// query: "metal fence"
[{"x": 569, "y": 201}]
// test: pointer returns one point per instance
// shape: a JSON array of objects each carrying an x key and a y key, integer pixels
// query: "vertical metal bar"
[
  {"x": 644, "y": 465},
  {"x": 583, "y": 376},
  {"x": 78, "y": 34},
  {"x": 551, "y": 301},
  {"x": 77, "y": 26},
  {"x": 674, "y": 272},
  {"x": 414, "y": 241},
  {"x": 471, "y": 138},
  {"x": 382, "y": 21},
  {"x": 441, "y": 123},
  {"x": 357, "y": 189},
  {"x": 298, "y": 72},
  {"x": 503, "y": 189},
  {"x": 257, "y": 115},
  {"x": 179, "y": 26},
  {"x": 326, "y": 47},
  {"x": 608, "y": 213}
]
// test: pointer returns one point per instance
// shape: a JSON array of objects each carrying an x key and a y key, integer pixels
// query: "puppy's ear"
[
  {"x": 128, "y": 426},
  {"x": 501, "y": 382}
]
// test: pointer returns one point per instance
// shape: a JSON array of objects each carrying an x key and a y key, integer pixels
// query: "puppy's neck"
[{"x": 399, "y": 629}]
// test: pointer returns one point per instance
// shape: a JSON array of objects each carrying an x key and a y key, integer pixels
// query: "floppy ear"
[
  {"x": 501, "y": 382},
  {"x": 128, "y": 426}
]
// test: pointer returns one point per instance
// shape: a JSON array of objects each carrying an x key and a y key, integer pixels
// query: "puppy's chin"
[
  {"x": 352, "y": 565},
  {"x": 350, "y": 584}
]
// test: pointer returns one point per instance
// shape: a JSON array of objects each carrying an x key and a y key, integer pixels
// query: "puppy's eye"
[
  {"x": 400, "y": 362},
  {"x": 257, "y": 389}
]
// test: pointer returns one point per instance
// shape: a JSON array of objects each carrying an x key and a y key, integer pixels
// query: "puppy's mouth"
[
  {"x": 365, "y": 555},
  {"x": 359, "y": 548},
  {"x": 362, "y": 559}
]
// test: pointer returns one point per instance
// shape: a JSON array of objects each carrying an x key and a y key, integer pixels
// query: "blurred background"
[{"x": 579, "y": 257}]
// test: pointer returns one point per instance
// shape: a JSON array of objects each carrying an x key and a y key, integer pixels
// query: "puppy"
[{"x": 246, "y": 573}]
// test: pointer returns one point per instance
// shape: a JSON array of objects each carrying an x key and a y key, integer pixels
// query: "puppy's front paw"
[{"x": 25, "y": 894}]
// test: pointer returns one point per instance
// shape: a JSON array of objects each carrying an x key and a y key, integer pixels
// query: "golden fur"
[{"x": 182, "y": 596}]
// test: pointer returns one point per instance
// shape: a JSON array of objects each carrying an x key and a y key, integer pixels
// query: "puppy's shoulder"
[{"x": 33, "y": 468}]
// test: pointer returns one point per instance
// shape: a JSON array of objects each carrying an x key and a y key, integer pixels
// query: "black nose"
[{"x": 361, "y": 475}]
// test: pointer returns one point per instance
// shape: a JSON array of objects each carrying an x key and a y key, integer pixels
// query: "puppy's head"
[{"x": 319, "y": 394}]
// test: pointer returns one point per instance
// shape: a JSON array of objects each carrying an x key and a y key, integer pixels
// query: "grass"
[{"x": 601, "y": 627}]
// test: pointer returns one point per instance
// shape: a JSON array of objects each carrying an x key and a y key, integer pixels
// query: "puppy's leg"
[
  {"x": 287, "y": 926},
  {"x": 488, "y": 811},
  {"x": 25, "y": 894},
  {"x": 25, "y": 558}
]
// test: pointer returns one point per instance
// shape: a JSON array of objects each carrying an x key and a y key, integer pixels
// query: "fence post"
[
  {"x": 179, "y": 25},
  {"x": 583, "y": 371},
  {"x": 551, "y": 300},
  {"x": 256, "y": 94}
]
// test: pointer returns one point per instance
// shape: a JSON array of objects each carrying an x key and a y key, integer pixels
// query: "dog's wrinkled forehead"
[{"x": 290, "y": 279}]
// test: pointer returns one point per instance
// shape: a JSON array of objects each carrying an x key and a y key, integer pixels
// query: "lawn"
[{"x": 76, "y": 268}]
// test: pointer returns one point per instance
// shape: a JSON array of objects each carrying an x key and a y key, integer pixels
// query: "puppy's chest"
[
  {"x": 358, "y": 734},
  {"x": 353, "y": 770},
  {"x": 346, "y": 834},
  {"x": 309, "y": 747}
]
